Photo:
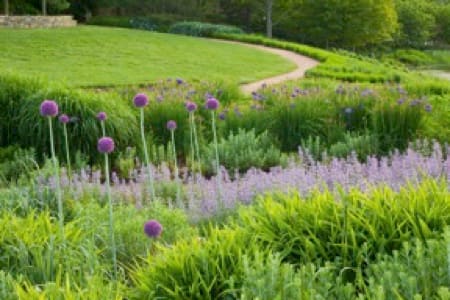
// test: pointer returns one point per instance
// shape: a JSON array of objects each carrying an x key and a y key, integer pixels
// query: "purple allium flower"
[
  {"x": 105, "y": 145},
  {"x": 49, "y": 108},
  {"x": 212, "y": 103},
  {"x": 102, "y": 116},
  {"x": 191, "y": 106},
  {"x": 64, "y": 119},
  {"x": 171, "y": 125},
  {"x": 153, "y": 228},
  {"x": 140, "y": 100}
]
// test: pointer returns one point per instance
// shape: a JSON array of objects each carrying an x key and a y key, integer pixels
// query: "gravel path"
[
  {"x": 303, "y": 63},
  {"x": 441, "y": 74}
]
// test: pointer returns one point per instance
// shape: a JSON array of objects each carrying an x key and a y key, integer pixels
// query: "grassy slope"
[{"x": 89, "y": 55}]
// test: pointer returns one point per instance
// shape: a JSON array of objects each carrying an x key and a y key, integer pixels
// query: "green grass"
[{"x": 95, "y": 56}]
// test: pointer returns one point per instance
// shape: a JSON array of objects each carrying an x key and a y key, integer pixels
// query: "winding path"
[{"x": 303, "y": 63}]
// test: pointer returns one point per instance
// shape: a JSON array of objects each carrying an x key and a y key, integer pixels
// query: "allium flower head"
[
  {"x": 105, "y": 145},
  {"x": 64, "y": 119},
  {"x": 191, "y": 106},
  {"x": 101, "y": 116},
  {"x": 171, "y": 125},
  {"x": 212, "y": 103},
  {"x": 153, "y": 228},
  {"x": 140, "y": 100},
  {"x": 49, "y": 108}
]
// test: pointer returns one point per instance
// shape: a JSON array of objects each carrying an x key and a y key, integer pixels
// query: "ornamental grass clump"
[
  {"x": 64, "y": 120},
  {"x": 141, "y": 101},
  {"x": 172, "y": 125},
  {"x": 49, "y": 109},
  {"x": 106, "y": 146}
]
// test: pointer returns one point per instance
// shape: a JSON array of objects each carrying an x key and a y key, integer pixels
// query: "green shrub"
[
  {"x": 64, "y": 287},
  {"x": 32, "y": 247},
  {"x": 7, "y": 287},
  {"x": 16, "y": 163},
  {"x": 418, "y": 269},
  {"x": 361, "y": 145},
  {"x": 194, "y": 268},
  {"x": 203, "y": 29},
  {"x": 244, "y": 150},
  {"x": 352, "y": 230},
  {"x": 110, "y": 21},
  {"x": 267, "y": 278}
]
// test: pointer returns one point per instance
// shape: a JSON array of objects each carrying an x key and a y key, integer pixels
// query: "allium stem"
[
  {"x": 218, "y": 175},
  {"x": 147, "y": 160},
  {"x": 177, "y": 176},
  {"x": 197, "y": 147},
  {"x": 69, "y": 168},
  {"x": 194, "y": 176},
  {"x": 102, "y": 123},
  {"x": 111, "y": 216},
  {"x": 57, "y": 179}
]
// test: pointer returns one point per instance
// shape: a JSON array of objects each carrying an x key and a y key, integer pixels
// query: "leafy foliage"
[{"x": 244, "y": 150}]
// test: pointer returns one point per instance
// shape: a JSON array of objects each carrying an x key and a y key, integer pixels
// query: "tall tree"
[
  {"x": 346, "y": 23},
  {"x": 417, "y": 22},
  {"x": 6, "y": 7}
]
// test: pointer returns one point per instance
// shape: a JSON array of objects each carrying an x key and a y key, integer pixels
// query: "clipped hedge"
[{"x": 203, "y": 29}]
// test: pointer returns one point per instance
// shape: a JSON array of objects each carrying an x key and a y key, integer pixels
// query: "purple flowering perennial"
[
  {"x": 102, "y": 116},
  {"x": 64, "y": 119},
  {"x": 153, "y": 229},
  {"x": 212, "y": 103},
  {"x": 304, "y": 177},
  {"x": 191, "y": 106},
  {"x": 140, "y": 100},
  {"x": 171, "y": 125},
  {"x": 49, "y": 108},
  {"x": 105, "y": 145}
]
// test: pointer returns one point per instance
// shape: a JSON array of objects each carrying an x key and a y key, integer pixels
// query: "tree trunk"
[
  {"x": 44, "y": 7},
  {"x": 6, "y": 6},
  {"x": 269, "y": 24}
]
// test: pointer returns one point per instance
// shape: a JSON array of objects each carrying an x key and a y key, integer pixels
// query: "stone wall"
[{"x": 37, "y": 21}]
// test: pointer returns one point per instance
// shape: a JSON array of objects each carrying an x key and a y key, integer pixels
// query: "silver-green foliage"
[{"x": 244, "y": 150}]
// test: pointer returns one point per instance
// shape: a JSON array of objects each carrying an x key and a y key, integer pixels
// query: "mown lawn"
[{"x": 98, "y": 56}]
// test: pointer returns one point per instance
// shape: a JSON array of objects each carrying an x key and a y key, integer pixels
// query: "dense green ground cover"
[{"x": 98, "y": 56}]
